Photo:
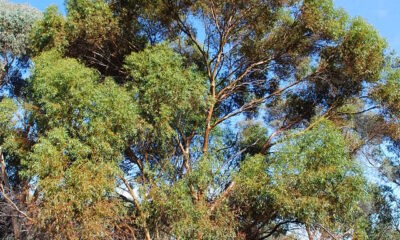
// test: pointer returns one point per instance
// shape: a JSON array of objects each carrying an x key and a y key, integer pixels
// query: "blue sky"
[{"x": 383, "y": 14}]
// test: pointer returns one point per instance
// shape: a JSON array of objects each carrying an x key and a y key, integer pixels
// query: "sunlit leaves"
[
  {"x": 83, "y": 125},
  {"x": 7, "y": 111},
  {"x": 49, "y": 32},
  {"x": 321, "y": 16},
  {"x": 362, "y": 51},
  {"x": 170, "y": 95},
  {"x": 310, "y": 178}
]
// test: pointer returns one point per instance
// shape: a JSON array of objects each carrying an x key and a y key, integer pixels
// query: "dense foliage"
[{"x": 212, "y": 119}]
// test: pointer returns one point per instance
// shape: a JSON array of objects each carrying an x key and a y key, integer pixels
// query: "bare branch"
[
  {"x": 138, "y": 206},
  {"x": 225, "y": 195},
  {"x": 221, "y": 94},
  {"x": 281, "y": 129},
  {"x": 6, "y": 188},
  {"x": 253, "y": 103}
]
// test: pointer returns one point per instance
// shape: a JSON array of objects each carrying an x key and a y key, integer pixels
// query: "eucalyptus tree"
[
  {"x": 291, "y": 62},
  {"x": 203, "y": 120},
  {"x": 16, "y": 22},
  {"x": 82, "y": 128}
]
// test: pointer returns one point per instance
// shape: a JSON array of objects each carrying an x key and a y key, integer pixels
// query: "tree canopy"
[{"x": 212, "y": 119}]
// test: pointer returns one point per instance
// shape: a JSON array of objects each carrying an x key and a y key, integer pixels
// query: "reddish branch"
[
  {"x": 224, "y": 196},
  {"x": 5, "y": 190},
  {"x": 267, "y": 144}
]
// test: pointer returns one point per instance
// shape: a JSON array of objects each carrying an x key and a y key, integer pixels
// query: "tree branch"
[
  {"x": 6, "y": 188},
  {"x": 138, "y": 207},
  {"x": 253, "y": 103}
]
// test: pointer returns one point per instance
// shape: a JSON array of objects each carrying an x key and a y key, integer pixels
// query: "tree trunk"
[{"x": 7, "y": 188}]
